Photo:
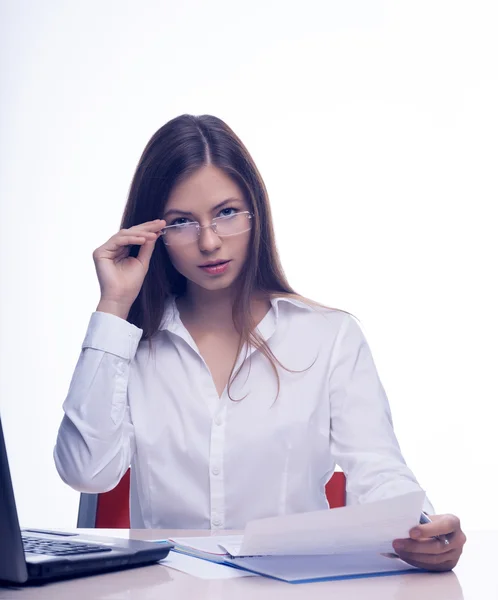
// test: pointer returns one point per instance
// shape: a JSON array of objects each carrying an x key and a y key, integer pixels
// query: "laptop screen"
[{"x": 12, "y": 560}]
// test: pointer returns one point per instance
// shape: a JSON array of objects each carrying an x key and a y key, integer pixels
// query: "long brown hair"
[{"x": 174, "y": 152}]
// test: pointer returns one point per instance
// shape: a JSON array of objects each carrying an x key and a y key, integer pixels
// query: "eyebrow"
[{"x": 183, "y": 212}]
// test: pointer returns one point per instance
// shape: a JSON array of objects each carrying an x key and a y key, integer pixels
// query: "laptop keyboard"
[{"x": 58, "y": 548}]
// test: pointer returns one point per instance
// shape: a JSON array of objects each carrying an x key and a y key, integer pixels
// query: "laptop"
[{"x": 32, "y": 555}]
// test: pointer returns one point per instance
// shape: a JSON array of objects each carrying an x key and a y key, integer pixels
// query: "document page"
[{"x": 366, "y": 528}]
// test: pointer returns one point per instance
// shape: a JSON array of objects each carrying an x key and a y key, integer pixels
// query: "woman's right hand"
[{"x": 120, "y": 275}]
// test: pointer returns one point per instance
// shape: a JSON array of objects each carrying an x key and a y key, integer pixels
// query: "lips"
[
  {"x": 217, "y": 268},
  {"x": 214, "y": 264}
]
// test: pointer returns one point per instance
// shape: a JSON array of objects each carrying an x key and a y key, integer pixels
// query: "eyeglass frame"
[{"x": 212, "y": 225}]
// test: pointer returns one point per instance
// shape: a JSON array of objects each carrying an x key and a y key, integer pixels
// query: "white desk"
[{"x": 475, "y": 578}]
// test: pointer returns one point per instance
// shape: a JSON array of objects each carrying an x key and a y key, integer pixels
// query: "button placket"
[{"x": 216, "y": 480}]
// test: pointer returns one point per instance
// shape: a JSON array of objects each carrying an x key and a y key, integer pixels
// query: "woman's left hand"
[{"x": 421, "y": 550}]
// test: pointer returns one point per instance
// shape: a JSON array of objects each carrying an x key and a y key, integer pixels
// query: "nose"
[{"x": 208, "y": 240}]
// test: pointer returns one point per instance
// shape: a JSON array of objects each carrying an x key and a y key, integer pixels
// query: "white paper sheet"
[
  {"x": 208, "y": 544},
  {"x": 202, "y": 568},
  {"x": 369, "y": 527}
]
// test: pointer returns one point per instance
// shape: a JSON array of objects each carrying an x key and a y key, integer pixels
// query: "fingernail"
[
  {"x": 416, "y": 533},
  {"x": 398, "y": 545}
]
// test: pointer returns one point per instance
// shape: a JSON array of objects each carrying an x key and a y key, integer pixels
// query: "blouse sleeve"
[
  {"x": 96, "y": 441},
  {"x": 363, "y": 442}
]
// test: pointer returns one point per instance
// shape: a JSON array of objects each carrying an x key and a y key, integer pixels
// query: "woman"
[{"x": 231, "y": 396}]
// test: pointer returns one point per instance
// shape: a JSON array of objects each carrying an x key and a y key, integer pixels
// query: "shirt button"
[
  {"x": 216, "y": 521},
  {"x": 218, "y": 421},
  {"x": 215, "y": 471}
]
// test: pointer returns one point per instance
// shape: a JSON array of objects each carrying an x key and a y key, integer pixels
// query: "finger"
[
  {"x": 149, "y": 226},
  {"x": 147, "y": 223},
  {"x": 152, "y": 235},
  {"x": 429, "y": 546},
  {"x": 126, "y": 233},
  {"x": 118, "y": 244},
  {"x": 441, "y": 525},
  {"x": 120, "y": 240},
  {"x": 145, "y": 252},
  {"x": 423, "y": 561}
]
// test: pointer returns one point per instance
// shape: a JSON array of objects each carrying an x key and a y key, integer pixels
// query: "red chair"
[
  {"x": 335, "y": 490},
  {"x": 111, "y": 510}
]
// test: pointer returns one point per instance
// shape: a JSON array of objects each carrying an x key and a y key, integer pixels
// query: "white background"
[{"x": 374, "y": 124}]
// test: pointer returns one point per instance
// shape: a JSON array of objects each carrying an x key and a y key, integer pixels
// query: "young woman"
[{"x": 231, "y": 396}]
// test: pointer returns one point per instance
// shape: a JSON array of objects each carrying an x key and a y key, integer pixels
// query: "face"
[{"x": 204, "y": 195}]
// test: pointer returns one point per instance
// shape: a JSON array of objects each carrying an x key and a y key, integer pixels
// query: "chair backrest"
[
  {"x": 335, "y": 490},
  {"x": 111, "y": 510}
]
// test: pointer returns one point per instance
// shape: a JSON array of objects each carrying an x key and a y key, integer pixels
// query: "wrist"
[{"x": 114, "y": 308}]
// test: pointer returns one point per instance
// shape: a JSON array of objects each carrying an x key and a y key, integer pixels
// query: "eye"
[
  {"x": 223, "y": 214},
  {"x": 178, "y": 219}
]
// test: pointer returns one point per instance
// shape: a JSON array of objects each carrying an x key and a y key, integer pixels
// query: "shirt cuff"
[{"x": 112, "y": 334}]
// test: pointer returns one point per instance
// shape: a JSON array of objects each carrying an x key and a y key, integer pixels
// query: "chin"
[{"x": 213, "y": 284}]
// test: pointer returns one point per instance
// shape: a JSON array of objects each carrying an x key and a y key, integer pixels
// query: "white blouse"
[{"x": 199, "y": 461}]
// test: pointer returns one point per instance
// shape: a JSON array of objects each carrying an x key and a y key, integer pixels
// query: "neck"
[
  {"x": 213, "y": 309},
  {"x": 207, "y": 309},
  {"x": 208, "y": 306}
]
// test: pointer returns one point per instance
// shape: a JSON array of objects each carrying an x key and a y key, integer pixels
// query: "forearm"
[{"x": 95, "y": 442}]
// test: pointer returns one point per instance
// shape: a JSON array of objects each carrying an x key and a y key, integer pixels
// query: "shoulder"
[{"x": 295, "y": 311}]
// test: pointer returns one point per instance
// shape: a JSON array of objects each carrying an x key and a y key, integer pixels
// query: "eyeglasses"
[{"x": 187, "y": 233}]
